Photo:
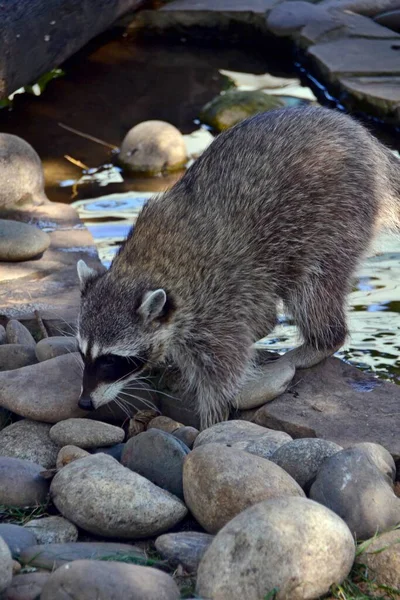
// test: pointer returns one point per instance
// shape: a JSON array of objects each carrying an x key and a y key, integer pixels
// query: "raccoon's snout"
[{"x": 85, "y": 403}]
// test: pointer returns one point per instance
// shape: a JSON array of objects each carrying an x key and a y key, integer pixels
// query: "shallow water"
[{"x": 114, "y": 84}]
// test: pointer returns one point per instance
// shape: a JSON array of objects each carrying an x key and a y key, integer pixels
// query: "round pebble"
[
  {"x": 29, "y": 440},
  {"x": 19, "y": 334},
  {"x": 184, "y": 548},
  {"x": 220, "y": 482},
  {"x": 15, "y": 356},
  {"x": 21, "y": 483},
  {"x": 85, "y": 433},
  {"x": 91, "y": 580},
  {"x": 52, "y": 530},
  {"x": 68, "y": 454},
  {"x": 303, "y": 458},
  {"x": 16, "y": 537},
  {"x": 158, "y": 456},
  {"x": 350, "y": 484},
  {"x": 20, "y": 241},
  {"x": 153, "y": 147},
  {"x": 55, "y": 346},
  {"x": 21, "y": 172},
  {"x": 292, "y": 545},
  {"x": 104, "y": 498}
]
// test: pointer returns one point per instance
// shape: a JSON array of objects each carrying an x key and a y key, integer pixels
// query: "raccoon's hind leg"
[{"x": 319, "y": 313}]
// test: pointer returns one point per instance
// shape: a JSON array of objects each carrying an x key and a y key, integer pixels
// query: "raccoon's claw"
[{"x": 272, "y": 380}]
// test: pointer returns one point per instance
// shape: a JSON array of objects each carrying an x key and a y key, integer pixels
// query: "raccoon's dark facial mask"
[{"x": 108, "y": 369}]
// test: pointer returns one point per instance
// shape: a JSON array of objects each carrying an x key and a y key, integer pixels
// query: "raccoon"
[{"x": 280, "y": 208}]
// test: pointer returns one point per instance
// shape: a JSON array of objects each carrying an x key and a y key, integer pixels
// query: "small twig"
[
  {"x": 88, "y": 137},
  {"x": 75, "y": 162},
  {"x": 42, "y": 327}
]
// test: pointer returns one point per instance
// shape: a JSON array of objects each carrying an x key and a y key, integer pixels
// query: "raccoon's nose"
[{"x": 85, "y": 403}]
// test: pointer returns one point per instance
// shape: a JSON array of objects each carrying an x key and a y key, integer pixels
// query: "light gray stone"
[
  {"x": 19, "y": 241},
  {"x": 53, "y": 556},
  {"x": 15, "y": 356},
  {"x": 103, "y": 497},
  {"x": 292, "y": 545},
  {"x": 91, "y": 580},
  {"x": 153, "y": 147},
  {"x": 56, "y": 346},
  {"x": 21, "y": 172},
  {"x": 157, "y": 456},
  {"x": 220, "y": 482},
  {"x": 52, "y": 530},
  {"x": 350, "y": 484},
  {"x": 16, "y": 537},
  {"x": 303, "y": 458},
  {"x": 29, "y": 440},
  {"x": 21, "y": 484},
  {"x": 85, "y": 433},
  {"x": 26, "y": 586},
  {"x": 48, "y": 391},
  {"x": 5, "y": 565},
  {"x": 17, "y": 333},
  {"x": 184, "y": 548}
]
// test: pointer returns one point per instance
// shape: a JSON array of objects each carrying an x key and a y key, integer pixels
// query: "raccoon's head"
[{"x": 124, "y": 327}]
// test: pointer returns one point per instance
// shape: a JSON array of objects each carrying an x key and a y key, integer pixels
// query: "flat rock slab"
[
  {"x": 355, "y": 56},
  {"x": 337, "y": 402},
  {"x": 50, "y": 284}
]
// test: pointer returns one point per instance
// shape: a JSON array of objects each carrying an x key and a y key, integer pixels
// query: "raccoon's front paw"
[{"x": 271, "y": 381}]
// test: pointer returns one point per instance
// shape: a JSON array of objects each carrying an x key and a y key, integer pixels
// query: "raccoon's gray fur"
[{"x": 280, "y": 207}]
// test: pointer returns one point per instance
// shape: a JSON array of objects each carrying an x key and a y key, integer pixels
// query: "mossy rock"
[{"x": 230, "y": 108}]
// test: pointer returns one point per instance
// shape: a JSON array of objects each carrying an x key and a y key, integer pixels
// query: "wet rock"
[
  {"x": 52, "y": 530},
  {"x": 381, "y": 555},
  {"x": 220, "y": 482},
  {"x": 15, "y": 356},
  {"x": 185, "y": 548},
  {"x": 103, "y": 497},
  {"x": 53, "y": 556},
  {"x": 90, "y": 580},
  {"x": 337, "y": 402},
  {"x": 153, "y": 147},
  {"x": 350, "y": 484},
  {"x": 303, "y": 458},
  {"x": 21, "y": 483},
  {"x": 20, "y": 241},
  {"x": 19, "y": 334},
  {"x": 48, "y": 391},
  {"x": 2, "y": 335},
  {"x": 21, "y": 173},
  {"x": 55, "y": 346},
  {"x": 165, "y": 424},
  {"x": 244, "y": 436},
  {"x": 229, "y": 108},
  {"x": 292, "y": 545},
  {"x": 26, "y": 586},
  {"x": 29, "y": 440},
  {"x": 187, "y": 435},
  {"x": 68, "y": 454},
  {"x": 157, "y": 456},
  {"x": 114, "y": 451},
  {"x": 86, "y": 434},
  {"x": 5, "y": 565},
  {"x": 16, "y": 537}
]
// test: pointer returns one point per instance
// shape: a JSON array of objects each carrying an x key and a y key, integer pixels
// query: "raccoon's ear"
[
  {"x": 152, "y": 304},
  {"x": 85, "y": 274}
]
